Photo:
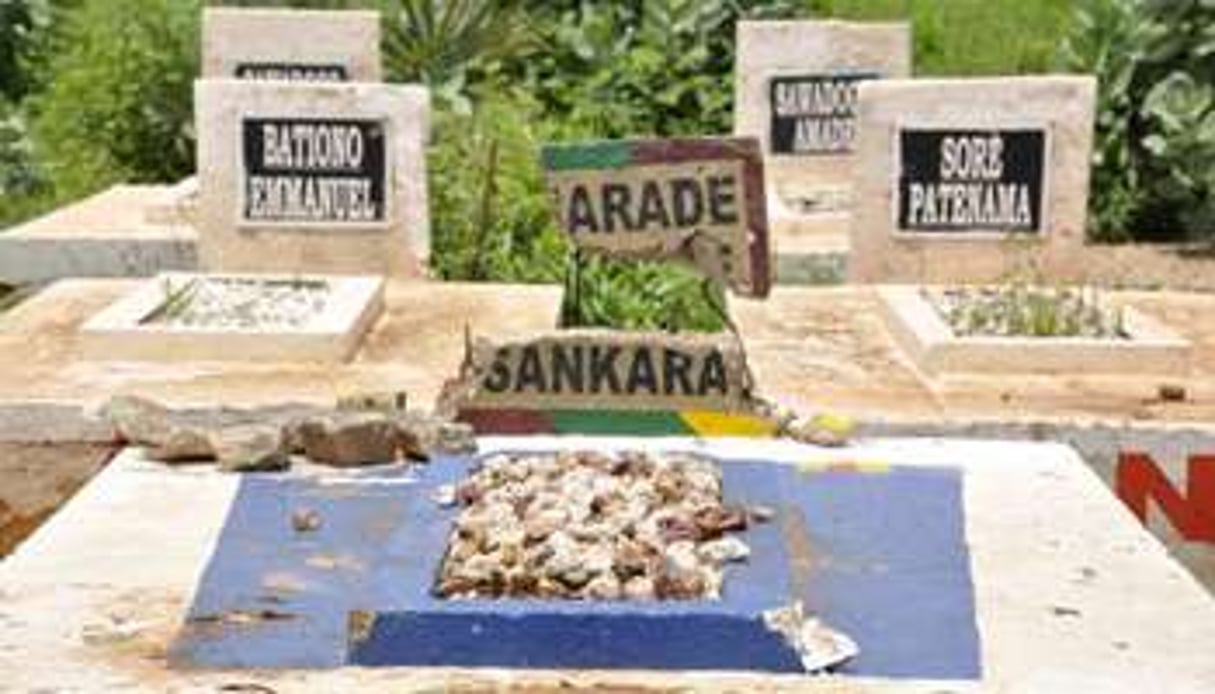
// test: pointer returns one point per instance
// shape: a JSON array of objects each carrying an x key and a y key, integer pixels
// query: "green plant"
[
  {"x": 955, "y": 37},
  {"x": 620, "y": 69},
  {"x": 118, "y": 104},
  {"x": 437, "y": 42},
  {"x": 490, "y": 218},
  {"x": 1019, "y": 309},
  {"x": 1155, "y": 141},
  {"x": 641, "y": 296}
]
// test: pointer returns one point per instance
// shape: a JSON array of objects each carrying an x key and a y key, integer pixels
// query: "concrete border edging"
[
  {"x": 118, "y": 331},
  {"x": 925, "y": 336}
]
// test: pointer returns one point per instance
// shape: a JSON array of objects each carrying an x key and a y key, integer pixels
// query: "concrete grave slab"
[
  {"x": 795, "y": 89},
  {"x": 174, "y": 204},
  {"x": 1149, "y": 346},
  {"x": 291, "y": 44},
  {"x": 106, "y": 235},
  {"x": 153, "y": 322},
  {"x": 318, "y": 177},
  {"x": 972, "y": 180},
  {"x": 389, "y": 566},
  {"x": 1051, "y": 559}
]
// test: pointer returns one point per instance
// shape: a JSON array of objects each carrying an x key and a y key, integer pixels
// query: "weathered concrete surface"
[
  {"x": 1071, "y": 595},
  {"x": 107, "y": 235},
  {"x": 814, "y": 348},
  {"x": 1101, "y": 446}
]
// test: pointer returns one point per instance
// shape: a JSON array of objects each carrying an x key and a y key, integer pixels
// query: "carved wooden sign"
[
  {"x": 603, "y": 369},
  {"x": 699, "y": 201}
]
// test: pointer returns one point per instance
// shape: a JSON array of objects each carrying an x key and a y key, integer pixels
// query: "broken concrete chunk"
[
  {"x": 250, "y": 448},
  {"x": 350, "y": 439},
  {"x": 825, "y": 429},
  {"x": 818, "y": 646}
]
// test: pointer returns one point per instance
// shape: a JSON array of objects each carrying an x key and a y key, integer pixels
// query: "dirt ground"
[{"x": 35, "y": 479}]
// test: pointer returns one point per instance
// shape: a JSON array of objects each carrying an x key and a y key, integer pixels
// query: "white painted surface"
[{"x": 93, "y": 598}]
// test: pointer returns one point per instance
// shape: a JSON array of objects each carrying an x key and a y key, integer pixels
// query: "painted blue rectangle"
[{"x": 888, "y": 565}]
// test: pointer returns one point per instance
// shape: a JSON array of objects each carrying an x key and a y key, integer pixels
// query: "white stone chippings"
[
  {"x": 584, "y": 525},
  {"x": 242, "y": 303}
]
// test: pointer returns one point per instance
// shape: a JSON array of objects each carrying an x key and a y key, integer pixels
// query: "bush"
[
  {"x": 1153, "y": 177},
  {"x": 489, "y": 210},
  {"x": 118, "y": 105},
  {"x": 24, "y": 190},
  {"x": 588, "y": 71}
]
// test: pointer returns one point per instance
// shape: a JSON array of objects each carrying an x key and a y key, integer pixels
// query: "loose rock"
[
  {"x": 584, "y": 525},
  {"x": 249, "y": 449},
  {"x": 305, "y": 520},
  {"x": 349, "y": 439},
  {"x": 144, "y": 422}
]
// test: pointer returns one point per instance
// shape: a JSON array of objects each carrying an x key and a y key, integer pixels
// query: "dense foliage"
[{"x": 1154, "y": 163}]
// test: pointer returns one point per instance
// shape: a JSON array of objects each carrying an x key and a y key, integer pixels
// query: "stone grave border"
[
  {"x": 116, "y": 333},
  {"x": 927, "y": 339}
]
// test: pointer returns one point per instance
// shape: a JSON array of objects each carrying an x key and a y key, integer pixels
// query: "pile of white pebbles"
[
  {"x": 589, "y": 525},
  {"x": 241, "y": 303}
]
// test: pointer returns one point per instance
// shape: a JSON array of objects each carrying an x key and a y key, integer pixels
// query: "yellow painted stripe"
[
  {"x": 710, "y": 423},
  {"x": 867, "y": 467}
]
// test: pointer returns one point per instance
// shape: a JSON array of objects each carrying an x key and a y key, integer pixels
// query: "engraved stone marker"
[
  {"x": 312, "y": 177},
  {"x": 972, "y": 180},
  {"x": 796, "y": 86},
  {"x": 293, "y": 45}
]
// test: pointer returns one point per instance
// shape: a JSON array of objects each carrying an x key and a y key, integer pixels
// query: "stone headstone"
[
  {"x": 796, "y": 84},
  {"x": 972, "y": 180},
  {"x": 296, "y": 45},
  {"x": 695, "y": 200},
  {"x": 312, "y": 177}
]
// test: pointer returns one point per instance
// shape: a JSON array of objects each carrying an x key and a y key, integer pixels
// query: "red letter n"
[{"x": 1139, "y": 479}]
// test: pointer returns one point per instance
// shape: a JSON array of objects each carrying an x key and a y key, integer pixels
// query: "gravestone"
[
  {"x": 972, "y": 180},
  {"x": 296, "y": 45},
  {"x": 796, "y": 84},
  {"x": 312, "y": 177}
]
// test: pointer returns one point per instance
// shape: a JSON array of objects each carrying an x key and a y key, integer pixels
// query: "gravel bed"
[
  {"x": 225, "y": 302},
  {"x": 586, "y": 525}
]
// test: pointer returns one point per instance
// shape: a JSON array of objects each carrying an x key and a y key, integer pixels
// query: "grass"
[{"x": 970, "y": 37}]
